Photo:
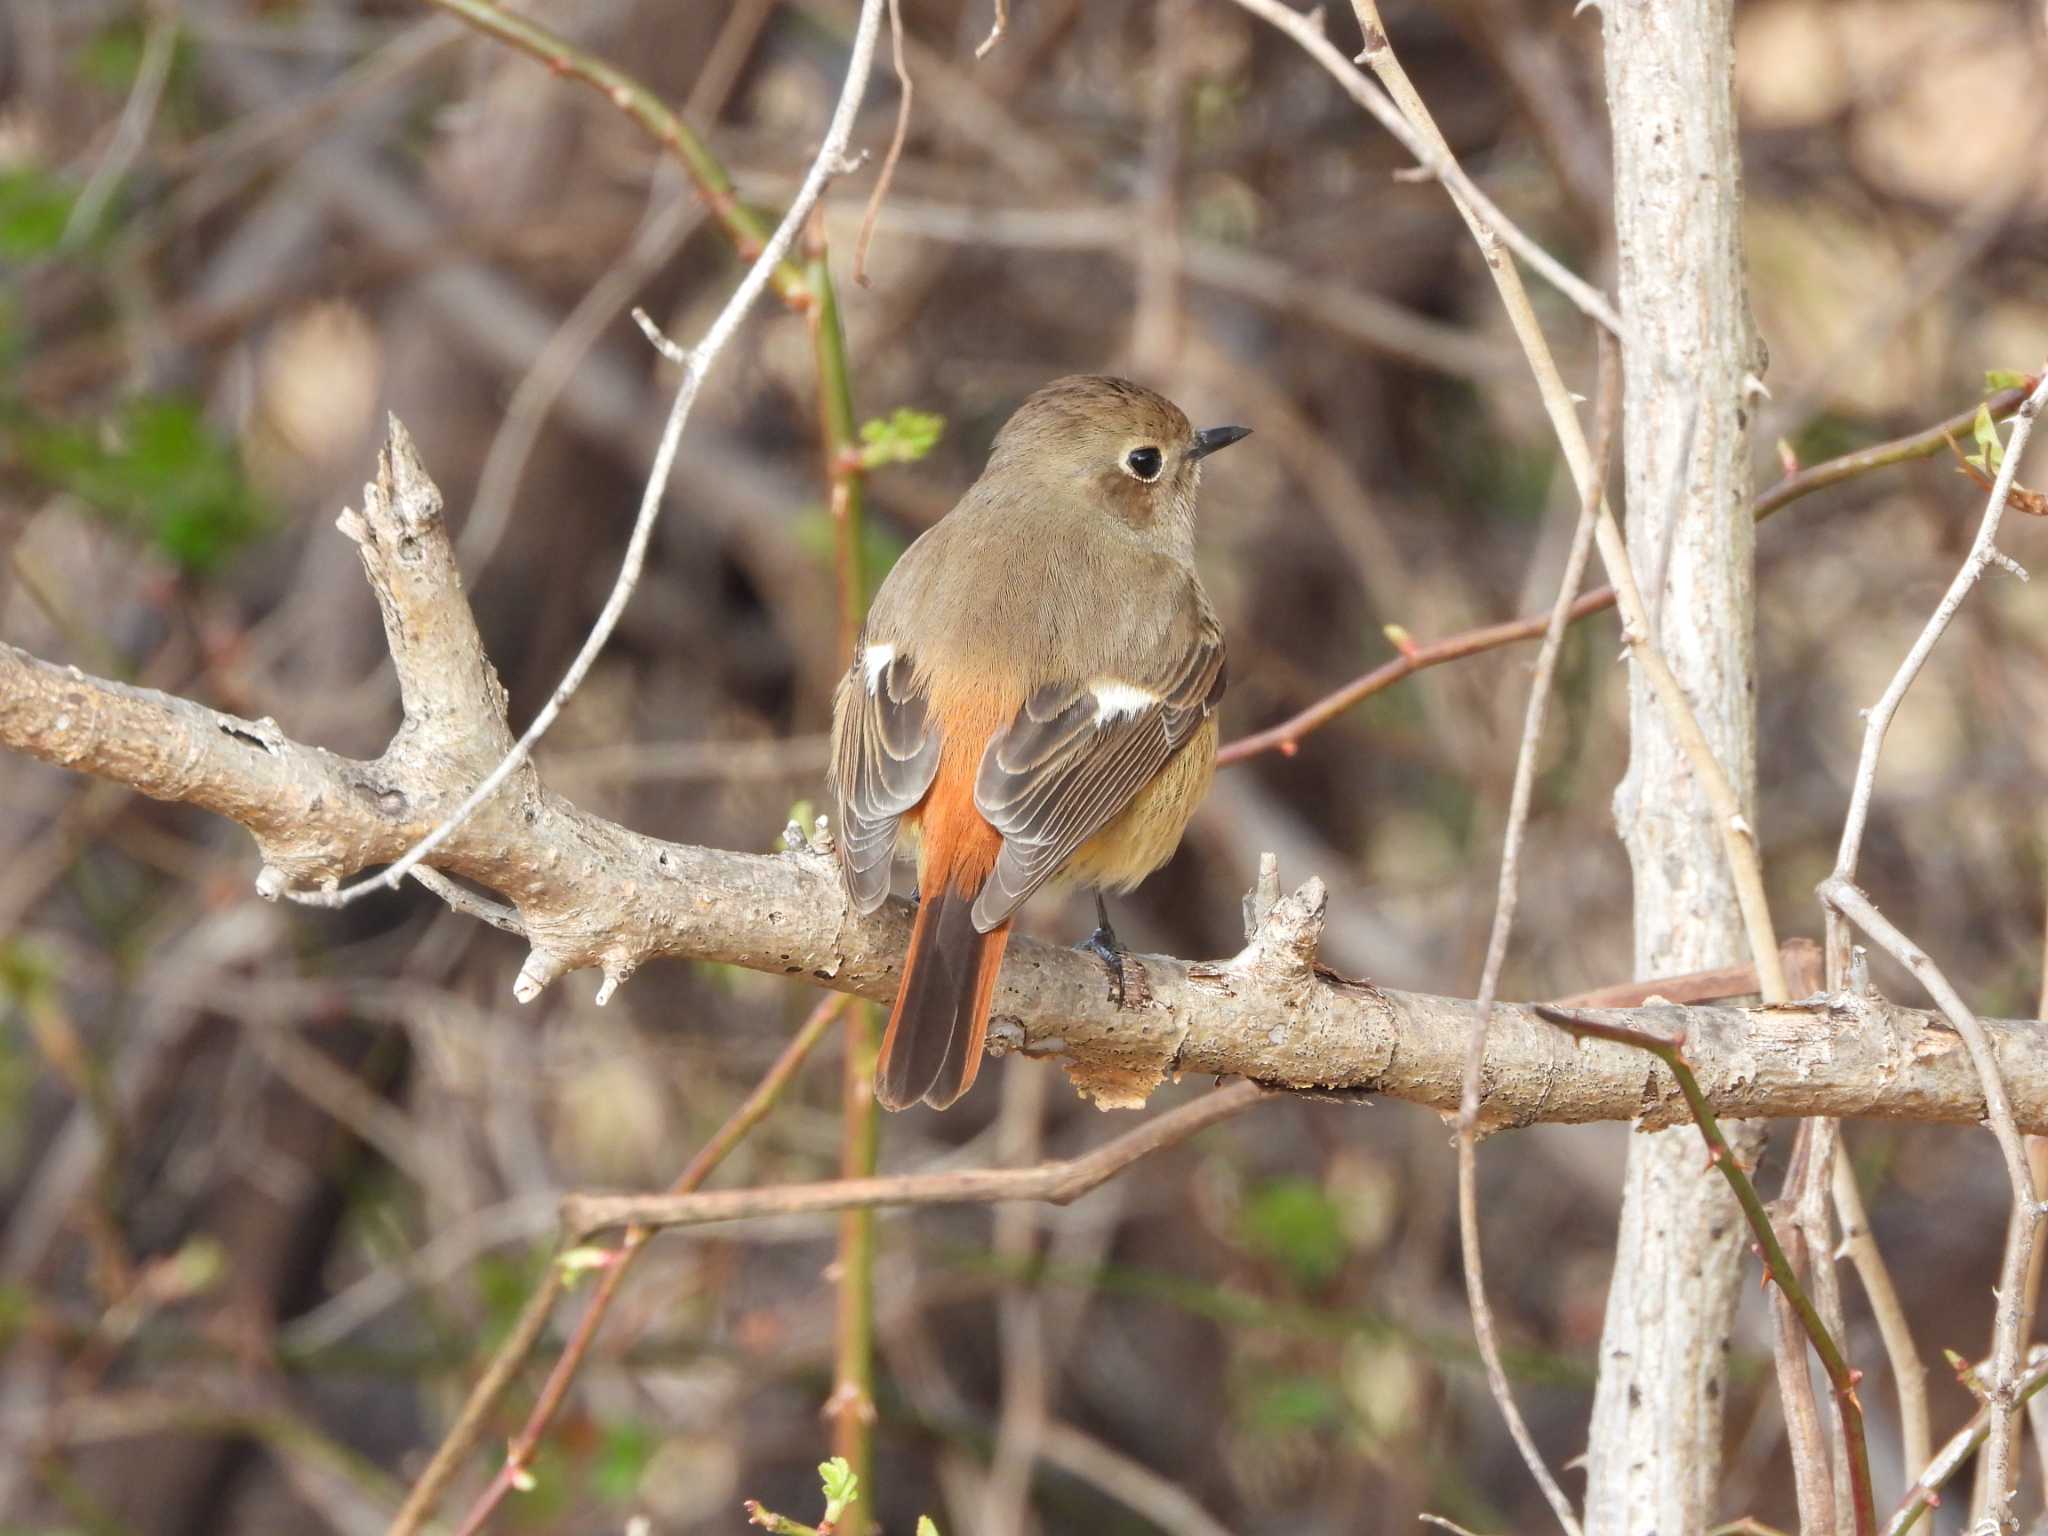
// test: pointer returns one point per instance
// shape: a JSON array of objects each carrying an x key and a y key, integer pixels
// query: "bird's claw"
[{"x": 1103, "y": 945}]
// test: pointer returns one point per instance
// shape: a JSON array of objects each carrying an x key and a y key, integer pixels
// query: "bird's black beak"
[{"x": 1209, "y": 439}]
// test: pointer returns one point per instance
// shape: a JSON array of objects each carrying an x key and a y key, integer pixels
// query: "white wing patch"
[
  {"x": 875, "y": 661},
  {"x": 1113, "y": 699}
]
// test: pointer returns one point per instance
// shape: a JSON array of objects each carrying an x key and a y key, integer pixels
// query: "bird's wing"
[
  {"x": 882, "y": 764},
  {"x": 1074, "y": 755}
]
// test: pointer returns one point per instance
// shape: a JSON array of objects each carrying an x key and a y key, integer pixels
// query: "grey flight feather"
[{"x": 888, "y": 754}]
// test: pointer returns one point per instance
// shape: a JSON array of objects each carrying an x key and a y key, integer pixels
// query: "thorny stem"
[
  {"x": 1777, "y": 1267},
  {"x": 851, "y": 1407},
  {"x": 1286, "y": 736},
  {"x": 517, "y": 1348},
  {"x": 837, "y": 439}
]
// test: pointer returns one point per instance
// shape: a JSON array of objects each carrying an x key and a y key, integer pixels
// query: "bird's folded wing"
[
  {"x": 1075, "y": 754},
  {"x": 886, "y": 757}
]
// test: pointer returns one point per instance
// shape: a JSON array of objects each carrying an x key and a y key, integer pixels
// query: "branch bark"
[{"x": 587, "y": 892}]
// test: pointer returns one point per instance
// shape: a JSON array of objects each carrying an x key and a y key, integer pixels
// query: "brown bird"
[{"x": 1032, "y": 697}]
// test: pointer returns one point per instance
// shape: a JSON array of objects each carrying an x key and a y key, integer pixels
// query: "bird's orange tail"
[{"x": 933, "y": 1046}]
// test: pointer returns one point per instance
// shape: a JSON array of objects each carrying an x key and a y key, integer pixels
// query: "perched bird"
[{"x": 1032, "y": 696}]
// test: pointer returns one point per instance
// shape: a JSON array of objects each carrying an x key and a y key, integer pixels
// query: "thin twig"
[
  {"x": 887, "y": 173},
  {"x": 1607, "y": 412},
  {"x": 667, "y": 225},
  {"x": 1909, "y": 1372},
  {"x": 1057, "y": 1183},
  {"x": 1722, "y": 981},
  {"x": 1429, "y": 151},
  {"x": 1816, "y": 1477},
  {"x": 1738, "y": 838},
  {"x": 830, "y": 161},
  {"x": 468, "y": 1428},
  {"x": 1879, "y": 719},
  {"x": 846, "y": 481},
  {"x": 469, "y": 903},
  {"x": 1812, "y": 1478},
  {"x": 1843, "y": 897},
  {"x": 1843, "y": 902},
  {"x": 1924, "y": 444},
  {"x": 1778, "y": 1267},
  {"x": 1163, "y": 1502},
  {"x": 995, "y": 31},
  {"x": 159, "y": 47},
  {"x": 1287, "y": 735},
  {"x": 516, "y": 1349},
  {"x": 1945, "y": 1463},
  {"x": 1023, "y": 1408}
]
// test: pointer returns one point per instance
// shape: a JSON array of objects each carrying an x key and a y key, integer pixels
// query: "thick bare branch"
[{"x": 588, "y": 892}]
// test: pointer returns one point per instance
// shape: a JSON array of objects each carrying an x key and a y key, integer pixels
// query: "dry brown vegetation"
[{"x": 278, "y": 1180}]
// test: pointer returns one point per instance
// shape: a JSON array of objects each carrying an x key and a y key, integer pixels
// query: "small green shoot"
[
  {"x": 1990, "y": 448},
  {"x": 578, "y": 1262},
  {"x": 903, "y": 437},
  {"x": 842, "y": 1487}
]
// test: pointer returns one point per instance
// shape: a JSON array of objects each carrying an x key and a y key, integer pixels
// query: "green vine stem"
[{"x": 1842, "y": 1377}]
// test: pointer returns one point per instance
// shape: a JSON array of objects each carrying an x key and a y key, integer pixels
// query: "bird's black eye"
[{"x": 1143, "y": 462}]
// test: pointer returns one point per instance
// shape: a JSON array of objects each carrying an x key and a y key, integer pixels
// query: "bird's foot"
[{"x": 1104, "y": 946}]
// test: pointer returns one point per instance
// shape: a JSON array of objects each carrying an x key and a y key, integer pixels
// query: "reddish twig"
[
  {"x": 512, "y": 1355},
  {"x": 1286, "y": 736}
]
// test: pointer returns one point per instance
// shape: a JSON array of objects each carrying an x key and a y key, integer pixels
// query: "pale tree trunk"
[{"x": 1655, "y": 1451}]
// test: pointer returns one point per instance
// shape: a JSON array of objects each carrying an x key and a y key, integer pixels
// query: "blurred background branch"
[{"x": 276, "y": 1185}]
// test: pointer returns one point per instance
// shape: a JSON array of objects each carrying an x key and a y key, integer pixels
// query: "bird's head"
[{"x": 1118, "y": 446}]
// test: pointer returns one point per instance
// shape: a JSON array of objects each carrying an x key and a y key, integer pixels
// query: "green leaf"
[
  {"x": 925, "y": 1526},
  {"x": 1292, "y": 1221},
  {"x": 159, "y": 470},
  {"x": 1296, "y": 1402},
  {"x": 578, "y": 1262},
  {"x": 34, "y": 208},
  {"x": 622, "y": 1461},
  {"x": 903, "y": 437},
  {"x": 2004, "y": 378},
  {"x": 1991, "y": 450},
  {"x": 841, "y": 1486}
]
